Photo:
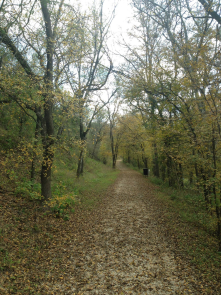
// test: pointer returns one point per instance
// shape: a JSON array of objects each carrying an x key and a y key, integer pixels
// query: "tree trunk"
[
  {"x": 191, "y": 177},
  {"x": 144, "y": 158},
  {"x": 163, "y": 168},
  {"x": 196, "y": 171},
  {"x": 219, "y": 232},
  {"x": 114, "y": 158},
  {"x": 180, "y": 176},
  {"x": 114, "y": 149},
  {"x": 206, "y": 188},
  {"x": 80, "y": 167},
  {"x": 217, "y": 202},
  {"x": 21, "y": 126},
  {"x": 156, "y": 171},
  {"x": 218, "y": 215},
  {"x": 145, "y": 161},
  {"x": 80, "y": 164},
  {"x": 37, "y": 131},
  {"x": 48, "y": 128},
  {"x": 48, "y": 153},
  {"x": 46, "y": 180},
  {"x": 170, "y": 172},
  {"x": 138, "y": 163},
  {"x": 128, "y": 157}
]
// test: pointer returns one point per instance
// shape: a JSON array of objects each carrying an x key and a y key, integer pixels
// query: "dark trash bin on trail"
[{"x": 145, "y": 171}]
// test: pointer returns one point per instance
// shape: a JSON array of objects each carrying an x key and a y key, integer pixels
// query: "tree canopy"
[{"x": 61, "y": 92}]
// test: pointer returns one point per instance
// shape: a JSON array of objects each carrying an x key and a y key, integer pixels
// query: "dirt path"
[{"x": 123, "y": 251}]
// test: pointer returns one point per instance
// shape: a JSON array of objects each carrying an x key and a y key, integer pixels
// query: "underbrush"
[
  {"x": 192, "y": 227},
  {"x": 67, "y": 190}
]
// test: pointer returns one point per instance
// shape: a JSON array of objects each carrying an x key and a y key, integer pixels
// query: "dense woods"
[
  {"x": 173, "y": 83},
  {"x": 61, "y": 96},
  {"x": 54, "y": 62}
]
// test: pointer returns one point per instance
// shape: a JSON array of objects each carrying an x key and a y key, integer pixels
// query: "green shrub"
[
  {"x": 62, "y": 201},
  {"x": 156, "y": 180},
  {"x": 29, "y": 189}
]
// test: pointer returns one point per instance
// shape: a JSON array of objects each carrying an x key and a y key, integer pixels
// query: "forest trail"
[{"x": 123, "y": 250}]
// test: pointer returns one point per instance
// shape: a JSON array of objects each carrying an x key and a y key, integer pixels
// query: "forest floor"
[{"x": 120, "y": 247}]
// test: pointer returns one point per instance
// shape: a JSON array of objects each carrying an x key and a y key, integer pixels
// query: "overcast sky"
[{"x": 122, "y": 22}]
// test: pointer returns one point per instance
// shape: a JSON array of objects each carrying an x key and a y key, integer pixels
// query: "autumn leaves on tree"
[
  {"x": 174, "y": 84},
  {"x": 56, "y": 70},
  {"x": 46, "y": 47}
]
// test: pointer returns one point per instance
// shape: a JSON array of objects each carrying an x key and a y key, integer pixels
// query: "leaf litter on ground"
[{"x": 119, "y": 247}]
